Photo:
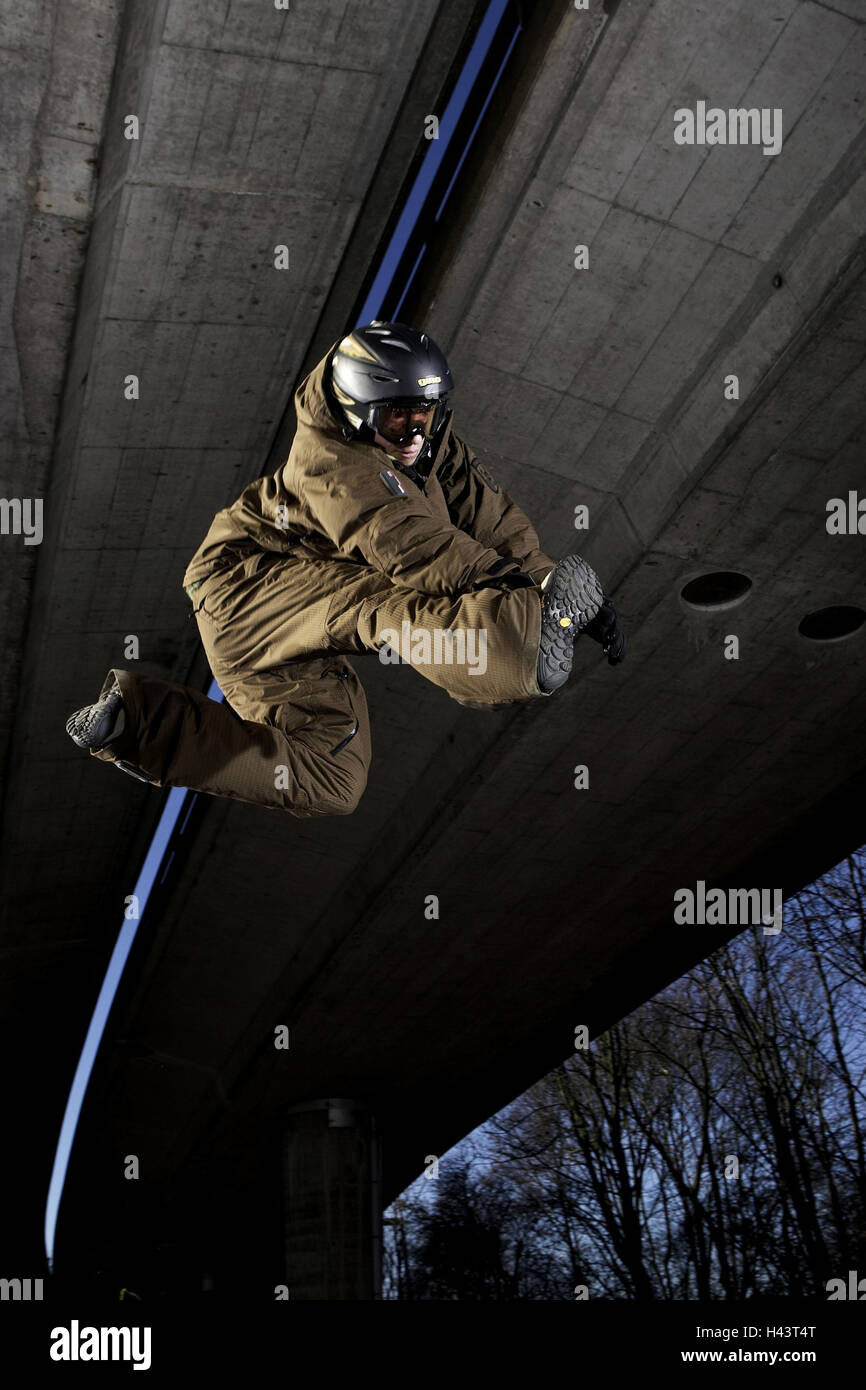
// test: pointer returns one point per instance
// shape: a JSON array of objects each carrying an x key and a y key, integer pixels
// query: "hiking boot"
[
  {"x": 95, "y": 726},
  {"x": 572, "y": 597}
]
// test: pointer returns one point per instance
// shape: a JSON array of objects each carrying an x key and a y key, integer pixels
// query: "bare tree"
[{"x": 708, "y": 1146}]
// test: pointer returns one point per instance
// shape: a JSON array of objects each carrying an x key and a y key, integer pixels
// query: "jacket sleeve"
[
  {"x": 401, "y": 536},
  {"x": 479, "y": 506}
]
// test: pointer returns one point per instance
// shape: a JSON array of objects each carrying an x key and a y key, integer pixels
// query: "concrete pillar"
[{"x": 332, "y": 1208}]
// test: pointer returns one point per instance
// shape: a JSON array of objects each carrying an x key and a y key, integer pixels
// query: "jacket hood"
[{"x": 311, "y": 403}]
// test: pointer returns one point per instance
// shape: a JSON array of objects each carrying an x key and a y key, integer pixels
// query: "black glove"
[
  {"x": 516, "y": 580},
  {"x": 513, "y": 579},
  {"x": 605, "y": 628}
]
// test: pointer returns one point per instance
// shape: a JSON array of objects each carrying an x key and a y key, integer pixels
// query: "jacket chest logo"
[{"x": 485, "y": 476}]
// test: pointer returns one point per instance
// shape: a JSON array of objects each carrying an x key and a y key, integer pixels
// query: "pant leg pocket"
[
  {"x": 341, "y": 680},
  {"x": 323, "y": 701}
]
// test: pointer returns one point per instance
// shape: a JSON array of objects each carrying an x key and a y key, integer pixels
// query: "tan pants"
[{"x": 294, "y": 733}]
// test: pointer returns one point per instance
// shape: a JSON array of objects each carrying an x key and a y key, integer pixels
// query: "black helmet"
[{"x": 382, "y": 369}]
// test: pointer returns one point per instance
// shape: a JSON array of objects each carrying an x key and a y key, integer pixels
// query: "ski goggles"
[{"x": 400, "y": 421}]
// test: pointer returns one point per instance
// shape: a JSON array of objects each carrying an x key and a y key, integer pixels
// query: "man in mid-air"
[{"x": 381, "y": 527}]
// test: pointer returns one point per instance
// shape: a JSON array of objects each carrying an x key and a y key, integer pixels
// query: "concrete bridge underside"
[{"x": 602, "y": 387}]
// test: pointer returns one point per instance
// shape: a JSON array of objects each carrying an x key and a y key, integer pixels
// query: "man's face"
[
  {"x": 399, "y": 420},
  {"x": 407, "y": 453}
]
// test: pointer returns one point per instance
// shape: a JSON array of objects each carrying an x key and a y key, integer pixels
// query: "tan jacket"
[{"x": 442, "y": 540}]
